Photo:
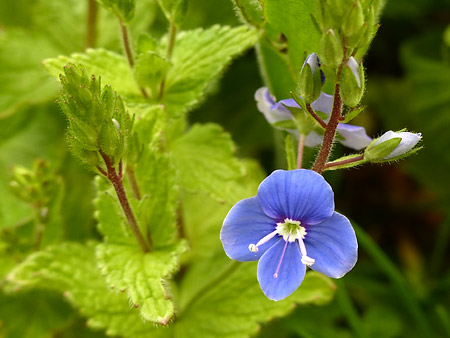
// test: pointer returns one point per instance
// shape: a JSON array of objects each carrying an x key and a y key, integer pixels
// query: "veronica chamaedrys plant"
[
  {"x": 288, "y": 225},
  {"x": 354, "y": 137}
]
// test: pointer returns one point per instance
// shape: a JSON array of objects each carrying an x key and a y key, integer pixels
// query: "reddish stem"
[
  {"x": 117, "y": 183},
  {"x": 330, "y": 131},
  {"x": 315, "y": 116},
  {"x": 347, "y": 161}
]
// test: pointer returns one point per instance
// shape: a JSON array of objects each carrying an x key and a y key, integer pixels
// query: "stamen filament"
[
  {"x": 275, "y": 275},
  {"x": 265, "y": 239},
  {"x": 305, "y": 259}
]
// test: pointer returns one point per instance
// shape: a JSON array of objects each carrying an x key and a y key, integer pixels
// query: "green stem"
[
  {"x": 91, "y": 30},
  {"x": 41, "y": 214},
  {"x": 170, "y": 48},
  {"x": 129, "y": 52},
  {"x": 117, "y": 183},
  {"x": 396, "y": 278}
]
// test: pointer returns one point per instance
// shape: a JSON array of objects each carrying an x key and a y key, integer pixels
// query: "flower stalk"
[{"x": 116, "y": 179}]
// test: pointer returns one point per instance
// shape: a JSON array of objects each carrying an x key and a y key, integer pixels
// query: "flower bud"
[
  {"x": 391, "y": 145},
  {"x": 311, "y": 79},
  {"x": 352, "y": 83},
  {"x": 354, "y": 21},
  {"x": 331, "y": 50}
]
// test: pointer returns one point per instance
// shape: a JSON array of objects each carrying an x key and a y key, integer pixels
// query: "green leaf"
[
  {"x": 121, "y": 260},
  {"x": 174, "y": 10},
  {"x": 123, "y": 9},
  {"x": 113, "y": 69},
  {"x": 230, "y": 302},
  {"x": 140, "y": 275},
  {"x": 287, "y": 20},
  {"x": 203, "y": 158},
  {"x": 198, "y": 58},
  {"x": 70, "y": 268},
  {"x": 291, "y": 152},
  {"x": 150, "y": 70},
  {"x": 22, "y": 79},
  {"x": 251, "y": 11}
]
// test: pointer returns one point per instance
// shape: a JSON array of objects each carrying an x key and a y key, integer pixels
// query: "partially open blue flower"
[
  {"x": 288, "y": 225},
  {"x": 355, "y": 137}
]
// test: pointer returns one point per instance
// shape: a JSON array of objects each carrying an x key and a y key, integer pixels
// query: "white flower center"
[{"x": 291, "y": 231}]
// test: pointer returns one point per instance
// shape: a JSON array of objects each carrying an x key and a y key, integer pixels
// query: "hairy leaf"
[
  {"x": 198, "y": 58},
  {"x": 70, "y": 268},
  {"x": 112, "y": 68}
]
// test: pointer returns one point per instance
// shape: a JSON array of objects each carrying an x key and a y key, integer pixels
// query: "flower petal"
[
  {"x": 273, "y": 111},
  {"x": 246, "y": 224},
  {"x": 323, "y": 104},
  {"x": 290, "y": 274},
  {"x": 302, "y": 195},
  {"x": 355, "y": 136},
  {"x": 333, "y": 245}
]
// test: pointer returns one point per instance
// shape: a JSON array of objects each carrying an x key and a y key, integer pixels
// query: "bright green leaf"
[
  {"x": 251, "y": 11},
  {"x": 112, "y": 68},
  {"x": 71, "y": 269},
  {"x": 123, "y": 9},
  {"x": 198, "y": 58}
]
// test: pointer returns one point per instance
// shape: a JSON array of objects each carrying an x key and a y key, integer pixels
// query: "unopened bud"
[
  {"x": 391, "y": 145},
  {"x": 352, "y": 82},
  {"x": 331, "y": 50},
  {"x": 354, "y": 21},
  {"x": 311, "y": 79}
]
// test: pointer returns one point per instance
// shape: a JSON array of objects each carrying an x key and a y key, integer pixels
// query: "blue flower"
[
  {"x": 355, "y": 137},
  {"x": 288, "y": 225}
]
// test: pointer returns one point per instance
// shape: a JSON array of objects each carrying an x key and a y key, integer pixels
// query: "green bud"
[
  {"x": 338, "y": 11},
  {"x": 35, "y": 186},
  {"x": 331, "y": 52},
  {"x": 97, "y": 119},
  {"x": 174, "y": 10},
  {"x": 352, "y": 83},
  {"x": 123, "y": 9},
  {"x": 354, "y": 20},
  {"x": 311, "y": 79},
  {"x": 370, "y": 30}
]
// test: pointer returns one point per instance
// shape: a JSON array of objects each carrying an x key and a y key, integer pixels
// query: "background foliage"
[{"x": 399, "y": 288}]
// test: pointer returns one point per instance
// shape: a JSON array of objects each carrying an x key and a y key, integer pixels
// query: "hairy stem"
[
  {"x": 330, "y": 131},
  {"x": 301, "y": 145},
  {"x": 117, "y": 183},
  {"x": 41, "y": 214},
  {"x": 133, "y": 182},
  {"x": 91, "y": 30},
  {"x": 170, "y": 47},
  {"x": 315, "y": 116},
  {"x": 129, "y": 51},
  {"x": 347, "y": 161},
  {"x": 127, "y": 44}
]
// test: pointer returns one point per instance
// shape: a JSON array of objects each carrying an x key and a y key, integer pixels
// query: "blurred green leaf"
[
  {"x": 230, "y": 303},
  {"x": 203, "y": 158}
]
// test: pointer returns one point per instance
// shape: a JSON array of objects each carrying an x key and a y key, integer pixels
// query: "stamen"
[
  {"x": 305, "y": 259},
  {"x": 275, "y": 275},
  {"x": 265, "y": 239}
]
